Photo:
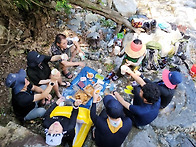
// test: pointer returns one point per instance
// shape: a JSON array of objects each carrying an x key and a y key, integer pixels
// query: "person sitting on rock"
[
  {"x": 24, "y": 100},
  {"x": 134, "y": 54},
  {"x": 167, "y": 86},
  {"x": 146, "y": 101},
  {"x": 39, "y": 72},
  {"x": 62, "y": 45},
  {"x": 111, "y": 126},
  {"x": 59, "y": 128}
]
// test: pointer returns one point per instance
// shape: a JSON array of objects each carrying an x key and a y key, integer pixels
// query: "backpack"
[{"x": 151, "y": 59}]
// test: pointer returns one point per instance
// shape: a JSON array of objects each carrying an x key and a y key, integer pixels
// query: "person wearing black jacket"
[
  {"x": 60, "y": 128},
  {"x": 111, "y": 126}
]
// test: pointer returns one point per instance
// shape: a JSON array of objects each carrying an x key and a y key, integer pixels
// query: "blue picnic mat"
[{"x": 72, "y": 89}]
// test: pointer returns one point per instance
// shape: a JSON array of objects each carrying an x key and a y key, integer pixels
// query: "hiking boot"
[
  {"x": 147, "y": 27},
  {"x": 153, "y": 24}
]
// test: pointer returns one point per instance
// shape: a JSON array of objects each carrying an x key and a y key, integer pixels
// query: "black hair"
[
  {"x": 58, "y": 38},
  {"x": 151, "y": 92},
  {"x": 137, "y": 41}
]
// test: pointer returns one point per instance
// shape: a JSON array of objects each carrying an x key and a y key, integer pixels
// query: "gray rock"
[
  {"x": 144, "y": 138},
  {"x": 92, "y": 29},
  {"x": 73, "y": 27},
  {"x": 93, "y": 35},
  {"x": 91, "y": 18},
  {"x": 103, "y": 44},
  {"x": 75, "y": 22},
  {"x": 125, "y": 7},
  {"x": 14, "y": 135}
]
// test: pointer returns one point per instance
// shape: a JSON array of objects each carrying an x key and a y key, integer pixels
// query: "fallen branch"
[{"x": 105, "y": 11}]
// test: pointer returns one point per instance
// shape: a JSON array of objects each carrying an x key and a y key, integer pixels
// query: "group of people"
[{"x": 115, "y": 122}]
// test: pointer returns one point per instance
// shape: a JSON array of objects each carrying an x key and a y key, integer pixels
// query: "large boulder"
[
  {"x": 125, "y": 7},
  {"x": 14, "y": 135}
]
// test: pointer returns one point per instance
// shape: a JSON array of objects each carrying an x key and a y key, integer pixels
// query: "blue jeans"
[{"x": 36, "y": 112}]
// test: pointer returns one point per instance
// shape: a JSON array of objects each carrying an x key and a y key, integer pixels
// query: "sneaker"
[
  {"x": 147, "y": 27},
  {"x": 153, "y": 24}
]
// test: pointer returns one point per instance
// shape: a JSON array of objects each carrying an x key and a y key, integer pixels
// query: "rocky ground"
[{"x": 175, "y": 125}]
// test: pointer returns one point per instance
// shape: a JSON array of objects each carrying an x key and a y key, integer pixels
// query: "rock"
[
  {"x": 73, "y": 27},
  {"x": 93, "y": 35},
  {"x": 103, "y": 44},
  {"x": 15, "y": 53},
  {"x": 90, "y": 18},
  {"x": 125, "y": 7},
  {"x": 75, "y": 22},
  {"x": 128, "y": 37},
  {"x": 14, "y": 135},
  {"x": 144, "y": 138}
]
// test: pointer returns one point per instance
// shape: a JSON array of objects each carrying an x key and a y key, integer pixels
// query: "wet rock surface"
[{"x": 175, "y": 125}]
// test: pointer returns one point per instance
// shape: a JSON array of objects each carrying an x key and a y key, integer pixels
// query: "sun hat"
[
  {"x": 54, "y": 139},
  {"x": 113, "y": 108},
  {"x": 33, "y": 58},
  {"x": 16, "y": 81},
  {"x": 171, "y": 79},
  {"x": 134, "y": 50}
]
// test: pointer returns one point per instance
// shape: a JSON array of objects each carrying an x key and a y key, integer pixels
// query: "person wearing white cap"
[{"x": 60, "y": 128}]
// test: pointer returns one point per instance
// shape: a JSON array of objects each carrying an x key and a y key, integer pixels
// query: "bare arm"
[
  {"x": 78, "y": 46},
  {"x": 121, "y": 100},
  {"x": 41, "y": 82},
  {"x": 37, "y": 89},
  {"x": 55, "y": 58},
  {"x": 137, "y": 78},
  {"x": 68, "y": 64},
  {"x": 137, "y": 63},
  {"x": 44, "y": 94}
]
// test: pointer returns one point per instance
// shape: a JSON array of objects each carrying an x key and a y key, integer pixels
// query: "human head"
[
  {"x": 135, "y": 48},
  {"x": 34, "y": 59},
  {"x": 150, "y": 92},
  {"x": 113, "y": 108},
  {"x": 61, "y": 41},
  {"x": 16, "y": 81},
  {"x": 171, "y": 78},
  {"x": 54, "y": 134}
]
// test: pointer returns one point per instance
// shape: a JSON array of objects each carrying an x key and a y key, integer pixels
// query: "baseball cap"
[
  {"x": 171, "y": 78},
  {"x": 16, "y": 81},
  {"x": 113, "y": 108},
  {"x": 33, "y": 58}
]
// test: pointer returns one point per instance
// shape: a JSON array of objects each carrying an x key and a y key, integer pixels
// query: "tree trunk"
[{"x": 103, "y": 10}]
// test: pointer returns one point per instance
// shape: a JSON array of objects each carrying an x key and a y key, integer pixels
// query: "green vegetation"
[
  {"x": 108, "y": 23},
  {"x": 63, "y": 4}
]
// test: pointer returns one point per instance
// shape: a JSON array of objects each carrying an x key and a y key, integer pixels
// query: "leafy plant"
[
  {"x": 63, "y": 4},
  {"x": 107, "y": 23}
]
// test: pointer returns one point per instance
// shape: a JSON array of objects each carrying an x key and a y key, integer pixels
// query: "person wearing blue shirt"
[{"x": 146, "y": 102}]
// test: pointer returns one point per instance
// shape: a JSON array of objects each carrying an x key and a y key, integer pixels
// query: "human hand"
[
  {"x": 55, "y": 75},
  {"x": 95, "y": 95},
  {"x": 60, "y": 100},
  {"x": 48, "y": 97},
  {"x": 82, "y": 64},
  {"x": 124, "y": 69},
  {"x": 81, "y": 52},
  {"x": 78, "y": 102},
  {"x": 117, "y": 96},
  {"x": 129, "y": 62}
]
